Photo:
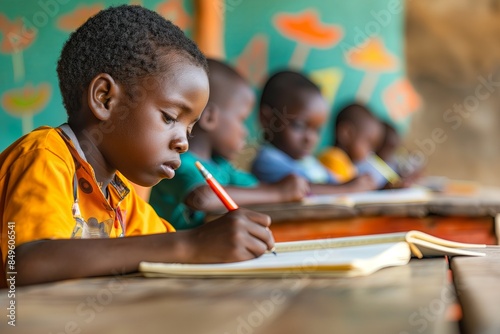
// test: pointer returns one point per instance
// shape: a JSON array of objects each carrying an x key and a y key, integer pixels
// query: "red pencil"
[
  {"x": 219, "y": 191},
  {"x": 217, "y": 188}
]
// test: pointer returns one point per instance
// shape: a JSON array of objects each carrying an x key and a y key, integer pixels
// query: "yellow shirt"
[
  {"x": 37, "y": 198},
  {"x": 339, "y": 163}
]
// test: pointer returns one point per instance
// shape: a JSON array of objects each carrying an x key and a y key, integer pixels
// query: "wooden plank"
[
  {"x": 477, "y": 281},
  {"x": 407, "y": 299}
]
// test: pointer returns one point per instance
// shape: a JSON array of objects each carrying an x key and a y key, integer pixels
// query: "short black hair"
[
  {"x": 126, "y": 42},
  {"x": 282, "y": 87},
  {"x": 355, "y": 113},
  {"x": 223, "y": 80}
]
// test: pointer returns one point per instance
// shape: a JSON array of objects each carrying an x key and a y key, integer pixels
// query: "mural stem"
[
  {"x": 367, "y": 86},
  {"x": 18, "y": 66},
  {"x": 299, "y": 56},
  {"x": 27, "y": 123}
]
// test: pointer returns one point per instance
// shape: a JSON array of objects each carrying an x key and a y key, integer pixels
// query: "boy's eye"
[
  {"x": 168, "y": 119},
  {"x": 298, "y": 125}
]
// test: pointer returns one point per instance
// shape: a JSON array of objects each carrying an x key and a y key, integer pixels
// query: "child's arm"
[
  {"x": 289, "y": 189},
  {"x": 238, "y": 235},
  {"x": 362, "y": 183}
]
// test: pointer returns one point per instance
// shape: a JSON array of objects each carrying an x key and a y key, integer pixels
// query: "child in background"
[
  {"x": 292, "y": 112},
  {"x": 394, "y": 154},
  {"x": 218, "y": 137},
  {"x": 133, "y": 86},
  {"x": 390, "y": 143},
  {"x": 358, "y": 133}
]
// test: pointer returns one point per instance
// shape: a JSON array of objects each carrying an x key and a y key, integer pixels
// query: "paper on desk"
[
  {"x": 334, "y": 262},
  {"x": 389, "y": 196}
]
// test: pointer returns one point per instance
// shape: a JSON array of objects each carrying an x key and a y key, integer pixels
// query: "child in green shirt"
[{"x": 218, "y": 136}]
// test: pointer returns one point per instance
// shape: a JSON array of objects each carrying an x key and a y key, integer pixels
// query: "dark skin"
[
  {"x": 221, "y": 130},
  {"x": 151, "y": 133},
  {"x": 358, "y": 139},
  {"x": 299, "y": 133},
  {"x": 390, "y": 144}
]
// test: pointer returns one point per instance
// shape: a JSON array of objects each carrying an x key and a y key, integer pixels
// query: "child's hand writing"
[
  {"x": 363, "y": 183},
  {"x": 238, "y": 235}
]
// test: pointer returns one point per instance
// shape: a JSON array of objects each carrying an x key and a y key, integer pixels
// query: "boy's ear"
[
  {"x": 102, "y": 95},
  {"x": 209, "y": 117},
  {"x": 265, "y": 115}
]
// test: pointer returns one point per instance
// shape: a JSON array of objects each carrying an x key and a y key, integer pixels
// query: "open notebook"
[
  {"x": 337, "y": 257},
  {"x": 388, "y": 196}
]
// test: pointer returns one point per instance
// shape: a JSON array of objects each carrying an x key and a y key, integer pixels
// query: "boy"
[
  {"x": 390, "y": 151},
  {"x": 133, "y": 86},
  {"x": 357, "y": 134},
  {"x": 292, "y": 112},
  {"x": 217, "y": 137}
]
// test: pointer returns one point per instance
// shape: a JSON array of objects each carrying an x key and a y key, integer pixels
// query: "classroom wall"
[
  {"x": 32, "y": 33},
  {"x": 456, "y": 68},
  {"x": 352, "y": 49}
]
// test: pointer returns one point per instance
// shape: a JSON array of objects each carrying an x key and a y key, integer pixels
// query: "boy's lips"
[{"x": 169, "y": 168}]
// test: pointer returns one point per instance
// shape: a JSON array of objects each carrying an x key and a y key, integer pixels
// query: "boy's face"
[
  {"x": 390, "y": 143},
  {"x": 367, "y": 139},
  {"x": 302, "y": 125},
  {"x": 229, "y": 136},
  {"x": 150, "y": 130}
]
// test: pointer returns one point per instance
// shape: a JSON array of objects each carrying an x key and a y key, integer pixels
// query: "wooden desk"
[
  {"x": 408, "y": 299},
  {"x": 464, "y": 229},
  {"x": 477, "y": 281},
  {"x": 466, "y": 219}
]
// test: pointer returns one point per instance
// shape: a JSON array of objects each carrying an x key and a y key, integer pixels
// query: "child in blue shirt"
[
  {"x": 218, "y": 137},
  {"x": 292, "y": 112}
]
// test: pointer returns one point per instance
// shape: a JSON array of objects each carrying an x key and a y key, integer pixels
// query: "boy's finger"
[
  {"x": 258, "y": 218},
  {"x": 262, "y": 234}
]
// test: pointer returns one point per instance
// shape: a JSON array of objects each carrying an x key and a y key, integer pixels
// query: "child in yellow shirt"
[{"x": 133, "y": 86}]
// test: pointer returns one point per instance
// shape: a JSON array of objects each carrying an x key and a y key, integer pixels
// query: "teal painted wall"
[
  {"x": 29, "y": 91},
  {"x": 375, "y": 75},
  {"x": 255, "y": 42}
]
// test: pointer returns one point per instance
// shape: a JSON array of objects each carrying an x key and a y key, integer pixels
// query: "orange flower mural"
[
  {"x": 374, "y": 58},
  {"x": 15, "y": 38},
  {"x": 401, "y": 99},
  {"x": 173, "y": 10},
  {"x": 25, "y": 102},
  {"x": 308, "y": 31},
  {"x": 252, "y": 63},
  {"x": 76, "y": 18}
]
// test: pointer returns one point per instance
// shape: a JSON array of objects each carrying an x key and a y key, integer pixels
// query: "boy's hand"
[
  {"x": 292, "y": 188},
  {"x": 363, "y": 182},
  {"x": 238, "y": 235}
]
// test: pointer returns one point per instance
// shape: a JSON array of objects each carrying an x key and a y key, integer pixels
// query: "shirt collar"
[{"x": 121, "y": 189}]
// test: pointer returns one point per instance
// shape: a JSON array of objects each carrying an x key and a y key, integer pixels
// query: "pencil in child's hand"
[
  {"x": 379, "y": 164},
  {"x": 217, "y": 188},
  {"x": 219, "y": 191}
]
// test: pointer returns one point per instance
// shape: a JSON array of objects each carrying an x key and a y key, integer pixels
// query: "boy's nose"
[{"x": 180, "y": 145}]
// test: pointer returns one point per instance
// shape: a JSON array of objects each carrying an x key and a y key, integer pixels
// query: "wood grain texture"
[
  {"x": 477, "y": 282},
  {"x": 393, "y": 300}
]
